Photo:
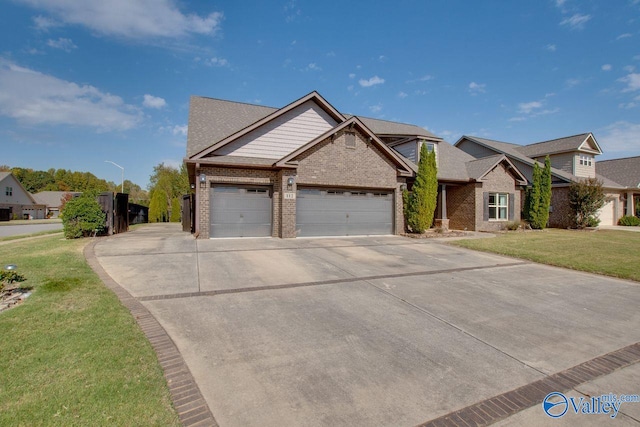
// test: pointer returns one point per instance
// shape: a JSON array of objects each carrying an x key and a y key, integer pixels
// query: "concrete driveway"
[{"x": 377, "y": 330}]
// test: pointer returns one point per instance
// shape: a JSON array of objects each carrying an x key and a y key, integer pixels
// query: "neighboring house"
[
  {"x": 572, "y": 158},
  {"x": 625, "y": 172},
  {"x": 53, "y": 201},
  {"x": 308, "y": 170},
  {"x": 19, "y": 201}
]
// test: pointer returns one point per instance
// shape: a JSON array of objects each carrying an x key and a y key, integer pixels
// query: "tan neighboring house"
[
  {"x": 625, "y": 172},
  {"x": 17, "y": 200},
  {"x": 306, "y": 169},
  {"x": 572, "y": 158},
  {"x": 53, "y": 201}
]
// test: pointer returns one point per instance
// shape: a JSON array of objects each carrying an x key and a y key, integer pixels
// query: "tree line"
[{"x": 35, "y": 181}]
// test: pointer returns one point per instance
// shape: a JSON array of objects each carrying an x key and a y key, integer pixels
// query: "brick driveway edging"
[{"x": 187, "y": 399}]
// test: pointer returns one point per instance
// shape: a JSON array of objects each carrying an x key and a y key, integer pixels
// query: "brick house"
[
  {"x": 572, "y": 158},
  {"x": 308, "y": 170}
]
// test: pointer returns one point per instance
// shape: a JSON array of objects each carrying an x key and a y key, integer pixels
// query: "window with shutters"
[{"x": 498, "y": 206}]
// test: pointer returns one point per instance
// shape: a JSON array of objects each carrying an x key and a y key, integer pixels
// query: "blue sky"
[{"x": 82, "y": 82}]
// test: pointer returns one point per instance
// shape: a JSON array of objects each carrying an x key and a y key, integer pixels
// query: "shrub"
[
  {"x": 8, "y": 277},
  {"x": 629, "y": 221},
  {"x": 175, "y": 210},
  {"x": 81, "y": 217},
  {"x": 586, "y": 197},
  {"x": 512, "y": 225}
]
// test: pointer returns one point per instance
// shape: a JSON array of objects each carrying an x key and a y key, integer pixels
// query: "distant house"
[
  {"x": 572, "y": 158},
  {"x": 53, "y": 200},
  {"x": 625, "y": 172},
  {"x": 17, "y": 200},
  {"x": 307, "y": 169}
]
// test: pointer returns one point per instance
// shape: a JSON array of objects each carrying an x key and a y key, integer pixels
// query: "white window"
[
  {"x": 498, "y": 206},
  {"x": 585, "y": 160},
  {"x": 8, "y": 191}
]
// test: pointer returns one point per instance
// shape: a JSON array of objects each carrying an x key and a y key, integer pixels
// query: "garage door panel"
[
  {"x": 343, "y": 213},
  {"x": 240, "y": 212}
]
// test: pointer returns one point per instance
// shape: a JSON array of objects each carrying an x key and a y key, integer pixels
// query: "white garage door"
[
  {"x": 606, "y": 213},
  {"x": 238, "y": 211},
  {"x": 327, "y": 212}
]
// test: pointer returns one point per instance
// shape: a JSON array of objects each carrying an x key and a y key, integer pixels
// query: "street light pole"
[{"x": 122, "y": 181}]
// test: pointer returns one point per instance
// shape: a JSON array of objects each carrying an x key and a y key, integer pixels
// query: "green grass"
[
  {"x": 608, "y": 252},
  {"x": 71, "y": 354},
  {"x": 30, "y": 222},
  {"x": 22, "y": 236}
]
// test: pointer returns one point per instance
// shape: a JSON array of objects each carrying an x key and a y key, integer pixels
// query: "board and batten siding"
[
  {"x": 282, "y": 135},
  {"x": 408, "y": 150}
]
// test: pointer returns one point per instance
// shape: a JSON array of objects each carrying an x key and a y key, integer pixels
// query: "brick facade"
[
  {"x": 465, "y": 203},
  {"x": 329, "y": 163}
]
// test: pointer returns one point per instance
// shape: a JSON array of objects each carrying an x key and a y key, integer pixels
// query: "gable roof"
[
  {"x": 230, "y": 117},
  {"x": 52, "y": 198},
  {"x": 401, "y": 162},
  {"x": 511, "y": 150},
  {"x": 215, "y": 122},
  {"x": 560, "y": 145},
  {"x": 479, "y": 168},
  {"x": 388, "y": 128},
  {"x": 625, "y": 172},
  {"x": 315, "y": 96},
  {"x": 9, "y": 176}
]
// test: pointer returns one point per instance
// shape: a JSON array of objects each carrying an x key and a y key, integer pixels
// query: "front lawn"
[
  {"x": 609, "y": 252},
  {"x": 71, "y": 353}
]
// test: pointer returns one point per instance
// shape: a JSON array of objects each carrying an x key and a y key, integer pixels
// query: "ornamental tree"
[
  {"x": 422, "y": 200},
  {"x": 586, "y": 197}
]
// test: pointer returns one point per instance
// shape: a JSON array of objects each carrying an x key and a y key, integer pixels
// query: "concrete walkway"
[
  {"x": 619, "y": 228},
  {"x": 376, "y": 331}
]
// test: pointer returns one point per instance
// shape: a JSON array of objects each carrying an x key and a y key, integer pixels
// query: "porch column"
[
  {"x": 443, "y": 201},
  {"x": 631, "y": 209}
]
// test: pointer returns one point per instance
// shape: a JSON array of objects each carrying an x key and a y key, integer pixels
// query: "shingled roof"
[
  {"x": 554, "y": 146},
  {"x": 212, "y": 120},
  {"x": 625, "y": 172}
]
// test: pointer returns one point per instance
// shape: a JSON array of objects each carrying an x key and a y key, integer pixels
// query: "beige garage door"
[{"x": 607, "y": 213}]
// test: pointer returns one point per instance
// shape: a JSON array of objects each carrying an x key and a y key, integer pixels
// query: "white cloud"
[
  {"x": 180, "y": 130},
  {"x": 560, "y": 3},
  {"x": 636, "y": 58},
  {"x": 606, "y": 67},
  {"x": 572, "y": 82},
  {"x": 35, "y": 98},
  {"x": 64, "y": 44},
  {"x": 151, "y": 101},
  {"x": 173, "y": 163},
  {"x": 532, "y": 109},
  {"x": 576, "y": 22},
  {"x": 216, "y": 62},
  {"x": 551, "y": 47},
  {"x": 42, "y": 23},
  {"x": 376, "y": 108},
  {"x": 633, "y": 82},
  {"x": 624, "y": 36},
  {"x": 620, "y": 136},
  {"x": 629, "y": 68},
  {"x": 476, "y": 88},
  {"x": 382, "y": 58},
  {"x": 402, "y": 95},
  {"x": 528, "y": 107},
  {"x": 375, "y": 80},
  {"x": 313, "y": 67},
  {"x": 352, "y": 75},
  {"x": 139, "y": 19}
]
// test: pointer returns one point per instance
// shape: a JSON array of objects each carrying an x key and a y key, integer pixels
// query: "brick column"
[{"x": 288, "y": 204}]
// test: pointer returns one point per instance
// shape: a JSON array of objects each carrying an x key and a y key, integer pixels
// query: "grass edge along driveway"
[
  {"x": 609, "y": 252},
  {"x": 72, "y": 354}
]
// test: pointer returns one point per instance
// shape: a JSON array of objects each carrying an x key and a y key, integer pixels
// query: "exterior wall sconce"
[
  {"x": 403, "y": 187},
  {"x": 290, "y": 181},
  {"x": 203, "y": 180}
]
